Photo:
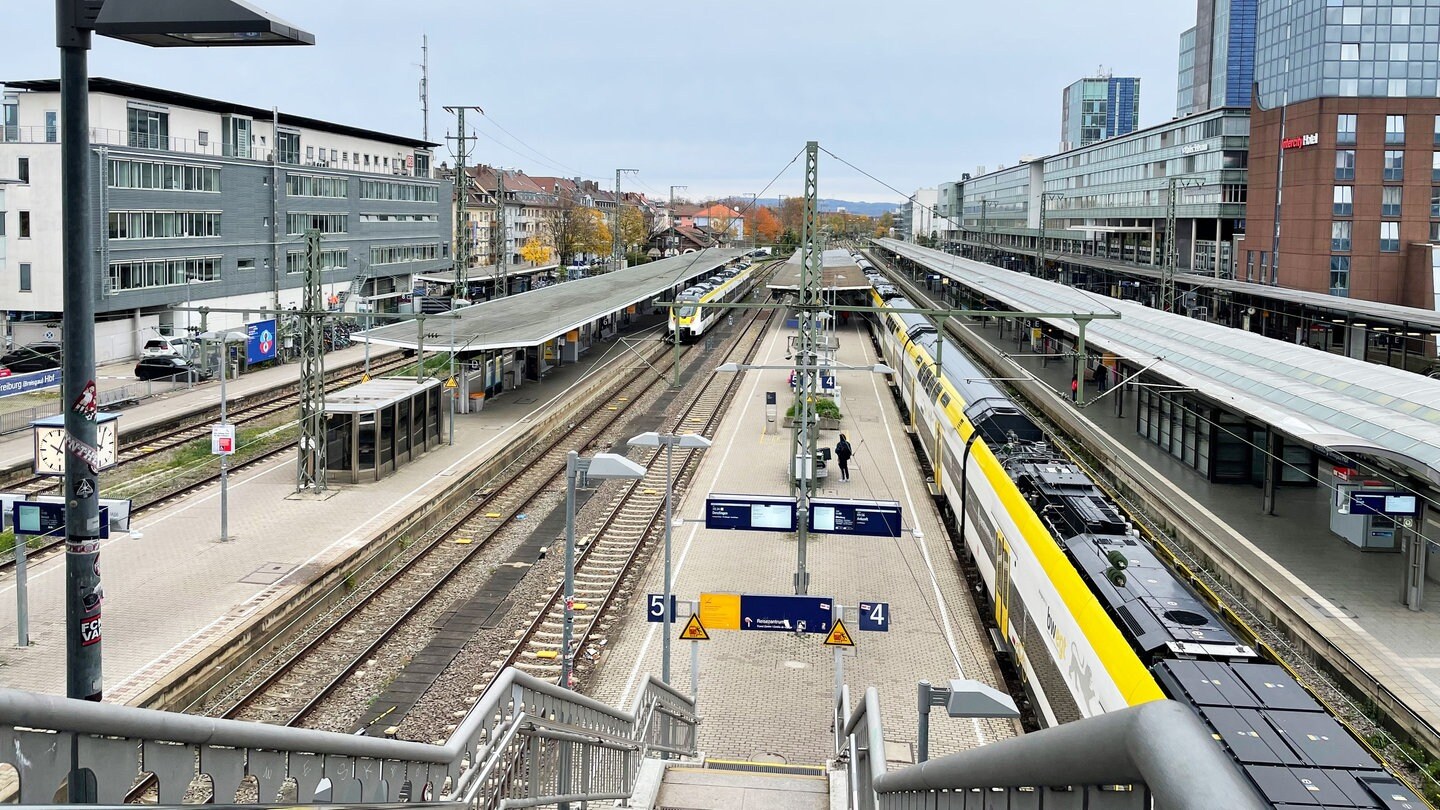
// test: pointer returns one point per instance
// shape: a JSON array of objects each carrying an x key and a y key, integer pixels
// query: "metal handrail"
[{"x": 492, "y": 749}]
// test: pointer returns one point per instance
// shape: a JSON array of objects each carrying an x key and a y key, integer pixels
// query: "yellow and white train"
[{"x": 700, "y": 306}]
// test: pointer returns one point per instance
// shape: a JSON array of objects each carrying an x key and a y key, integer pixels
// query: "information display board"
[
  {"x": 765, "y": 513},
  {"x": 854, "y": 516}
]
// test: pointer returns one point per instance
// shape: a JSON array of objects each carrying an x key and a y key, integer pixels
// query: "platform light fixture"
[
  {"x": 158, "y": 23},
  {"x": 670, "y": 441},
  {"x": 731, "y": 368},
  {"x": 600, "y": 465}
]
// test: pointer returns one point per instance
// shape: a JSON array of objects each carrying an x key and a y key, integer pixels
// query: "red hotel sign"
[{"x": 1300, "y": 141}]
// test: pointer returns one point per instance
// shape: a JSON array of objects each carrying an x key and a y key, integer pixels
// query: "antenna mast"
[{"x": 425, "y": 86}]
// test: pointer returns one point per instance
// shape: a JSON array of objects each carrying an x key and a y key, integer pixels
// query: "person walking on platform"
[
  {"x": 1075, "y": 388},
  {"x": 842, "y": 455}
]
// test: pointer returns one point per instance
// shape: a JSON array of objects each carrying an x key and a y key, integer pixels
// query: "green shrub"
[{"x": 825, "y": 408}]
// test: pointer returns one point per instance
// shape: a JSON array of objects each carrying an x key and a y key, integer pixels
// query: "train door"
[{"x": 1002, "y": 584}]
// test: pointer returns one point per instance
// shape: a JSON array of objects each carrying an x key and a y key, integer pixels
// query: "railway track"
[{"x": 395, "y": 614}]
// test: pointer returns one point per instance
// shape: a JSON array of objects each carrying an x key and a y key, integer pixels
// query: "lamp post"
[
  {"x": 961, "y": 698},
  {"x": 670, "y": 441},
  {"x": 600, "y": 465}
]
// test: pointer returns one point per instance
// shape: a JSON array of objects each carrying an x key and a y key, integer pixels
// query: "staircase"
[
  {"x": 690, "y": 788},
  {"x": 353, "y": 294}
]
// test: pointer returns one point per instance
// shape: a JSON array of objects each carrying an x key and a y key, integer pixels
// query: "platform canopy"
[
  {"x": 538, "y": 316},
  {"x": 840, "y": 273},
  {"x": 1340, "y": 404}
]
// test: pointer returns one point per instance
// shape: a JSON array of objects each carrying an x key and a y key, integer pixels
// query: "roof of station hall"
[
  {"x": 537, "y": 316},
  {"x": 1338, "y": 403},
  {"x": 840, "y": 272}
]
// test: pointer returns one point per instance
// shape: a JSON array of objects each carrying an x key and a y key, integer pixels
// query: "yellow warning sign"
[
  {"x": 694, "y": 630},
  {"x": 839, "y": 636},
  {"x": 450, "y": 383},
  {"x": 720, "y": 611},
  {"x": 364, "y": 378}
]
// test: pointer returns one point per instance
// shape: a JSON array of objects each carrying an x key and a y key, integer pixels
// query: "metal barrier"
[
  {"x": 1116, "y": 761},
  {"x": 113, "y": 398},
  {"x": 526, "y": 743}
]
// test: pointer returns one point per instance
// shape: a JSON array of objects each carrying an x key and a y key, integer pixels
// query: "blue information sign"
[
  {"x": 875, "y": 616},
  {"x": 655, "y": 610},
  {"x": 25, "y": 383},
  {"x": 793, "y": 614},
  {"x": 1394, "y": 504},
  {"x": 849, "y": 516},
  {"x": 765, "y": 513},
  {"x": 260, "y": 341},
  {"x": 48, "y": 519}
]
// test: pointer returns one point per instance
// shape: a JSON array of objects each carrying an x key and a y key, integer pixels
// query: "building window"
[
  {"x": 1435, "y": 232},
  {"x": 145, "y": 273},
  {"x": 1390, "y": 237},
  {"x": 299, "y": 223},
  {"x": 345, "y": 156},
  {"x": 388, "y": 190},
  {"x": 1344, "y": 164},
  {"x": 52, "y": 126},
  {"x": 1394, "y": 129},
  {"x": 332, "y": 155},
  {"x": 163, "y": 224},
  {"x": 235, "y": 136},
  {"x": 307, "y": 185},
  {"x": 331, "y": 259},
  {"x": 396, "y": 254},
  {"x": 149, "y": 129},
  {"x": 1435, "y": 202},
  {"x": 24, "y": 224},
  {"x": 1340, "y": 235},
  {"x": 1345, "y": 129},
  {"x": 154, "y": 175},
  {"x": 1390, "y": 201},
  {"x": 244, "y": 264},
  {"x": 309, "y": 153},
  {"x": 1340, "y": 275},
  {"x": 23, "y": 170},
  {"x": 1437, "y": 130},
  {"x": 1394, "y": 164},
  {"x": 1350, "y": 52},
  {"x": 204, "y": 139},
  {"x": 1435, "y": 167},
  {"x": 287, "y": 147},
  {"x": 1344, "y": 201},
  {"x": 24, "y": 277}
]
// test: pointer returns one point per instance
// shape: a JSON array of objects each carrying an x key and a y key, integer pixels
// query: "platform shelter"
[{"x": 374, "y": 428}]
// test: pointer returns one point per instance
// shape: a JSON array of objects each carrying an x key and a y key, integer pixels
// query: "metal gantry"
[
  {"x": 617, "y": 246},
  {"x": 1172, "y": 244},
  {"x": 462, "y": 205},
  {"x": 807, "y": 355},
  {"x": 309, "y": 464}
]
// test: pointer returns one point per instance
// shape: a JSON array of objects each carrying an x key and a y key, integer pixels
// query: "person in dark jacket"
[{"x": 842, "y": 455}]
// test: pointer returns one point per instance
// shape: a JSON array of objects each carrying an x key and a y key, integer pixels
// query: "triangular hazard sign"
[
  {"x": 450, "y": 383},
  {"x": 694, "y": 630},
  {"x": 839, "y": 636},
  {"x": 364, "y": 378}
]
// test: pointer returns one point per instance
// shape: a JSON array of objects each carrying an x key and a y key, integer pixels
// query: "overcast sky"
[{"x": 715, "y": 96}]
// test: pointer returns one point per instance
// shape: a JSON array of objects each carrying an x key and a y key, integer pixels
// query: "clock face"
[
  {"x": 106, "y": 444},
  {"x": 50, "y": 451}
]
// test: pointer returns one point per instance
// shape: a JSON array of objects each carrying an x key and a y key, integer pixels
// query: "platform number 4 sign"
[{"x": 875, "y": 616}]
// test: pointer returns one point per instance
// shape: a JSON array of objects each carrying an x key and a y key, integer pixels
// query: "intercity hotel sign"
[{"x": 1300, "y": 141}]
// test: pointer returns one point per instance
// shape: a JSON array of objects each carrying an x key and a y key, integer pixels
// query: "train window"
[{"x": 944, "y": 400}]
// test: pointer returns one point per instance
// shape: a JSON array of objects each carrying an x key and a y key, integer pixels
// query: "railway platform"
[
  {"x": 18, "y": 448},
  {"x": 173, "y": 590},
  {"x": 1352, "y": 599},
  {"x": 768, "y": 696}
]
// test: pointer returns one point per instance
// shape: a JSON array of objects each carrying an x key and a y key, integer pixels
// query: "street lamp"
[
  {"x": 203, "y": 23},
  {"x": 600, "y": 465},
  {"x": 670, "y": 441},
  {"x": 962, "y": 698}
]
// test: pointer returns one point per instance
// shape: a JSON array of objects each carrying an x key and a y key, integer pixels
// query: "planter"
[{"x": 825, "y": 423}]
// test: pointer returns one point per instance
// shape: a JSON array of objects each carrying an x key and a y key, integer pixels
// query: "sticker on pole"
[
  {"x": 839, "y": 636},
  {"x": 222, "y": 440},
  {"x": 695, "y": 631}
]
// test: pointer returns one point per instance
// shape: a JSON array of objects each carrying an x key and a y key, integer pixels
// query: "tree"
[
  {"x": 570, "y": 226},
  {"x": 596, "y": 238},
  {"x": 764, "y": 226},
  {"x": 535, "y": 251},
  {"x": 887, "y": 221},
  {"x": 632, "y": 227},
  {"x": 792, "y": 213}
]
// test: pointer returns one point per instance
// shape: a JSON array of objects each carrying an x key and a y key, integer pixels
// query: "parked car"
[
  {"x": 35, "y": 357},
  {"x": 165, "y": 347},
  {"x": 169, "y": 367}
]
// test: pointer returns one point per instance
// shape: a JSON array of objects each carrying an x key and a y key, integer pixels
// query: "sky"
[{"x": 718, "y": 97}]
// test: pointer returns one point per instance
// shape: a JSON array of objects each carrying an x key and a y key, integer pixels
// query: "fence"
[{"x": 113, "y": 399}]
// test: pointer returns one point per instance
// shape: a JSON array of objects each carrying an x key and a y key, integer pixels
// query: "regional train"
[
  {"x": 699, "y": 307},
  {"x": 1092, "y": 618}
]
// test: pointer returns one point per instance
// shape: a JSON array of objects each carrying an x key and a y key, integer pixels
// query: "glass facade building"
[
  {"x": 1347, "y": 48},
  {"x": 1098, "y": 108},
  {"x": 1217, "y": 57}
]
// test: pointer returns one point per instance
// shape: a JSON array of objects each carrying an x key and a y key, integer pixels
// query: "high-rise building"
[
  {"x": 1217, "y": 57},
  {"x": 1097, "y": 108},
  {"x": 1345, "y": 150}
]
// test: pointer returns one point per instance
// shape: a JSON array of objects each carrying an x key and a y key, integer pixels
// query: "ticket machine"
[{"x": 1367, "y": 513}]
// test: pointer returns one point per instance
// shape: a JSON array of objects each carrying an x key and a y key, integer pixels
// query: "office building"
[
  {"x": 1098, "y": 108},
  {"x": 1346, "y": 127},
  {"x": 1217, "y": 57},
  {"x": 201, "y": 201}
]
